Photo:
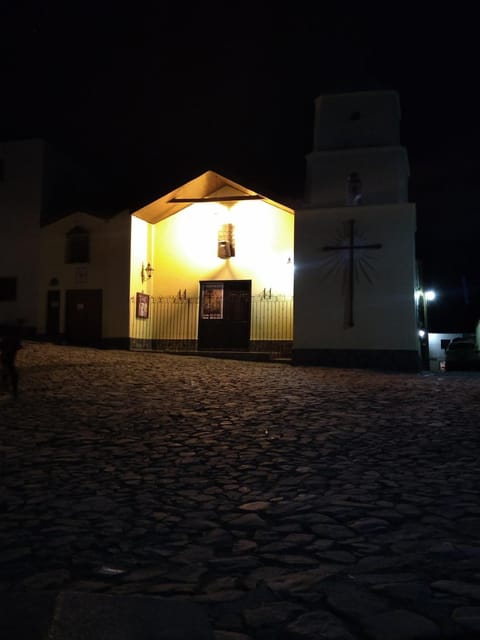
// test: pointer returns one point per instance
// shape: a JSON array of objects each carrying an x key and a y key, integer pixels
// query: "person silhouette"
[{"x": 10, "y": 344}]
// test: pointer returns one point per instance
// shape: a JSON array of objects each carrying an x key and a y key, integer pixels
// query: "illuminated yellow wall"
[
  {"x": 141, "y": 254},
  {"x": 186, "y": 244},
  {"x": 183, "y": 250}
]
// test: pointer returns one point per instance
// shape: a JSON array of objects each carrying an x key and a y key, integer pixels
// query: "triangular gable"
[
  {"x": 76, "y": 218},
  {"x": 208, "y": 187}
]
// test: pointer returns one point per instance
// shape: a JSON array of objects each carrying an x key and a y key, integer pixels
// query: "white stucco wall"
[
  {"x": 108, "y": 268},
  {"x": 20, "y": 207},
  {"x": 383, "y": 171},
  {"x": 384, "y": 309}
]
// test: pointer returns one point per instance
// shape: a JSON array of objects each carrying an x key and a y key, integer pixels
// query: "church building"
[
  {"x": 208, "y": 266},
  {"x": 216, "y": 267}
]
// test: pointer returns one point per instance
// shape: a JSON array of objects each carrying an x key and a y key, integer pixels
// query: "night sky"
[{"x": 147, "y": 96}]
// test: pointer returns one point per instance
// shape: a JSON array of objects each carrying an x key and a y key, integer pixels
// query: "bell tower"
[
  {"x": 357, "y": 135},
  {"x": 355, "y": 262}
]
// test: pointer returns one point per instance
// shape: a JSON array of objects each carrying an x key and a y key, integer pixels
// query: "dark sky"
[{"x": 148, "y": 95}]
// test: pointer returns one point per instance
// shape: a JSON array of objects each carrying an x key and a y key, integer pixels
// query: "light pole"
[{"x": 426, "y": 297}]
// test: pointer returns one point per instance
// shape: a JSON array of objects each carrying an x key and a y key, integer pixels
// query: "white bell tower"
[{"x": 355, "y": 239}]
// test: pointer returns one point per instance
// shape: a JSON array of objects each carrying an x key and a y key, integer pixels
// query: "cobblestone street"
[{"x": 286, "y": 502}]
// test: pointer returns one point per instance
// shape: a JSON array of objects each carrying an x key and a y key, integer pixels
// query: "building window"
[
  {"x": 8, "y": 289},
  {"x": 77, "y": 246},
  {"x": 226, "y": 242}
]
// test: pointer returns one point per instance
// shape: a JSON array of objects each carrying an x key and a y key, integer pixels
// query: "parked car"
[{"x": 462, "y": 354}]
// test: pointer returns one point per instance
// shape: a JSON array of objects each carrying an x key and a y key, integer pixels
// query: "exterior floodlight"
[
  {"x": 430, "y": 295},
  {"x": 421, "y": 333}
]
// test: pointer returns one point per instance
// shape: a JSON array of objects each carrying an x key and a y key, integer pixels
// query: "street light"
[{"x": 426, "y": 297}]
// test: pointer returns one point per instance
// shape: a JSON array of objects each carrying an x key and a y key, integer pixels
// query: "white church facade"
[{"x": 214, "y": 266}]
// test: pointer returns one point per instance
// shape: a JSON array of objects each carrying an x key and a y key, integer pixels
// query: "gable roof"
[{"x": 207, "y": 187}]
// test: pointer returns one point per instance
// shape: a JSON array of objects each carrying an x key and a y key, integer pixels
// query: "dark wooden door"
[
  {"x": 224, "y": 321},
  {"x": 84, "y": 316},
  {"x": 52, "y": 325}
]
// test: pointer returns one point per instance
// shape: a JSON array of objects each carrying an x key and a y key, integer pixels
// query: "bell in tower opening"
[{"x": 354, "y": 189}]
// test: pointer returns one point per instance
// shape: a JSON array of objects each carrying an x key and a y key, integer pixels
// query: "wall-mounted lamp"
[{"x": 146, "y": 272}]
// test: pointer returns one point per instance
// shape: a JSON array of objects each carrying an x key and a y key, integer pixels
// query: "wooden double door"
[{"x": 224, "y": 315}]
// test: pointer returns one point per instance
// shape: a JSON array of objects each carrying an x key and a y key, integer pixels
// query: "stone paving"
[{"x": 288, "y": 502}]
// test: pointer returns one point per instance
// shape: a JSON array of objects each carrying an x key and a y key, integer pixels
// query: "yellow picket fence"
[{"x": 171, "y": 323}]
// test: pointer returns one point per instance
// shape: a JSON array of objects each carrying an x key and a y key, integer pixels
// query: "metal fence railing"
[{"x": 171, "y": 323}]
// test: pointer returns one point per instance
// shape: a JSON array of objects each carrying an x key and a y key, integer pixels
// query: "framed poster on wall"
[
  {"x": 212, "y": 301},
  {"x": 143, "y": 305}
]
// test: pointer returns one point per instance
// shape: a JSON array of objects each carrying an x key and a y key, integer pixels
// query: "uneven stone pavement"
[{"x": 281, "y": 502}]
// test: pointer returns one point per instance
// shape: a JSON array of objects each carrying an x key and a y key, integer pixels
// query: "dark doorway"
[
  {"x": 84, "y": 316},
  {"x": 52, "y": 327},
  {"x": 224, "y": 321}
]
